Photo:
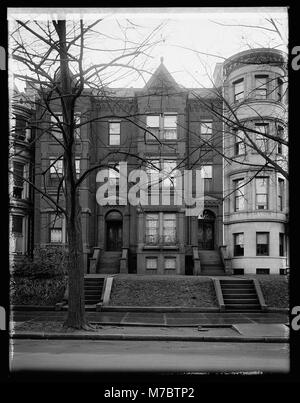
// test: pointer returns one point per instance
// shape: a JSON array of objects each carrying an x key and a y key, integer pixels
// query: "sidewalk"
[{"x": 223, "y": 327}]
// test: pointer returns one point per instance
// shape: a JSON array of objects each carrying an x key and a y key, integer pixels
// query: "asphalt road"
[{"x": 148, "y": 356}]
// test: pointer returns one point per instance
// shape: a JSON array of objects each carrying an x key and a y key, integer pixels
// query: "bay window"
[{"x": 262, "y": 193}]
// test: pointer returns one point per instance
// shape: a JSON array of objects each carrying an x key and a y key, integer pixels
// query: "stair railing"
[
  {"x": 225, "y": 259},
  {"x": 124, "y": 261},
  {"x": 94, "y": 260},
  {"x": 196, "y": 260}
]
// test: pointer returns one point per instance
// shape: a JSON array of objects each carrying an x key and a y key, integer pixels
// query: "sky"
[{"x": 186, "y": 35}]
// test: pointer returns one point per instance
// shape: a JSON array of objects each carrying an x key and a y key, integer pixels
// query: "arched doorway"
[
  {"x": 114, "y": 224},
  {"x": 206, "y": 230}
]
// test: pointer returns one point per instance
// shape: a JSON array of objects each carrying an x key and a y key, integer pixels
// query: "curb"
[
  {"x": 118, "y": 308},
  {"x": 138, "y": 337}
]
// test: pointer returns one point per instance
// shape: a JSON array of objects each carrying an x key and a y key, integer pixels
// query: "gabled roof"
[{"x": 161, "y": 78}]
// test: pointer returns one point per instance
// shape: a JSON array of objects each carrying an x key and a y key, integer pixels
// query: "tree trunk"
[{"x": 76, "y": 311}]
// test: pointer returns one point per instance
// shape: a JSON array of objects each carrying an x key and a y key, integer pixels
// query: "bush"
[
  {"x": 47, "y": 262},
  {"x": 29, "y": 291},
  {"x": 275, "y": 290},
  {"x": 40, "y": 280}
]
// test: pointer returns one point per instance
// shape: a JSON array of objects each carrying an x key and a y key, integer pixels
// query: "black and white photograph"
[{"x": 149, "y": 208}]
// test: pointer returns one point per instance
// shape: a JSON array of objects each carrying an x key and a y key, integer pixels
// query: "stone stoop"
[{"x": 240, "y": 295}]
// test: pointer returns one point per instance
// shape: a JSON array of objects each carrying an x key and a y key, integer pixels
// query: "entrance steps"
[
  {"x": 240, "y": 296},
  {"x": 211, "y": 263},
  {"x": 93, "y": 288},
  {"x": 110, "y": 262}
]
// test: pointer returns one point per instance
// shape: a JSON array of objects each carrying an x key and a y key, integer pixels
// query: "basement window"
[{"x": 262, "y": 271}]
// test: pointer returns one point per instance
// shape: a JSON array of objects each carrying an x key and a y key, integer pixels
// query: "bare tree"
[{"x": 51, "y": 59}]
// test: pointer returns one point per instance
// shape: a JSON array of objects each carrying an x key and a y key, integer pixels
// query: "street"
[{"x": 102, "y": 355}]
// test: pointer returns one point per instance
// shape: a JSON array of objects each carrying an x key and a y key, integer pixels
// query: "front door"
[
  {"x": 206, "y": 234},
  {"x": 114, "y": 235}
]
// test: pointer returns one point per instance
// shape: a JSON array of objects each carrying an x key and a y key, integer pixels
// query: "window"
[
  {"x": 239, "y": 194},
  {"x": 20, "y": 128},
  {"x": 55, "y": 126},
  {"x": 18, "y": 169},
  {"x": 164, "y": 170},
  {"x": 281, "y": 244},
  {"x": 17, "y": 224},
  {"x": 280, "y": 193},
  {"x": 261, "y": 139},
  {"x": 152, "y": 228},
  {"x": 238, "y": 240},
  {"x": 169, "y": 173},
  {"x": 261, "y": 87},
  {"x": 77, "y": 167},
  {"x": 206, "y": 174},
  {"x": 238, "y": 272},
  {"x": 170, "y": 127},
  {"x": 279, "y": 89},
  {"x": 239, "y": 145},
  {"x": 206, "y": 131},
  {"x": 151, "y": 264},
  {"x": 77, "y": 121},
  {"x": 280, "y": 134},
  {"x": 238, "y": 88},
  {"x": 113, "y": 175},
  {"x": 262, "y": 244},
  {"x": 160, "y": 228},
  {"x": 163, "y": 127},
  {"x": 56, "y": 168},
  {"x": 170, "y": 265},
  {"x": 169, "y": 228},
  {"x": 262, "y": 190},
  {"x": 262, "y": 271},
  {"x": 114, "y": 133},
  {"x": 56, "y": 228}
]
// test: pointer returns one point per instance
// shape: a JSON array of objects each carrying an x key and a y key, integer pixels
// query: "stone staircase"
[
  {"x": 110, "y": 262},
  {"x": 93, "y": 287},
  {"x": 240, "y": 295},
  {"x": 211, "y": 263}
]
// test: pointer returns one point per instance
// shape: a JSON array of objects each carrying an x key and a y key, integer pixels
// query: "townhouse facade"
[{"x": 163, "y": 130}]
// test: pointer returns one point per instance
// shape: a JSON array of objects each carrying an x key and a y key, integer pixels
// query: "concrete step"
[
  {"x": 239, "y": 296},
  {"x": 237, "y": 286},
  {"x": 225, "y": 281},
  {"x": 230, "y": 301}
]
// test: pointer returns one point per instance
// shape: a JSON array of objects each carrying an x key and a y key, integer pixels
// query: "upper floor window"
[
  {"x": 162, "y": 127},
  {"x": 164, "y": 171},
  {"x": 19, "y": 185},
  {"x": 206, "y": 131},
  {"x": 261, "y": 138},
  {"x": 261, "y": 83},
  {"x": 262, "y": 193},
  {"x": 56, "y": 228},
  {"x": 56, "y": 168},
  {"x": 239, "y": 142},
  {"x": 238, "y": 241},
  {"x": 57, "y": 125},
  {"x": 280, "y": 193},
  {"x": 280, "y": 134},
  {"x": 114, "y": 133},
  {"x": 206, "y": 174},
  {"x": 114, "y": 174},
  {"x": 238, "y": 90},
  {"x": 77, "y": 167},
  {"x": 239, "y": 194},
  {"x": 279, "y": 89}
]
